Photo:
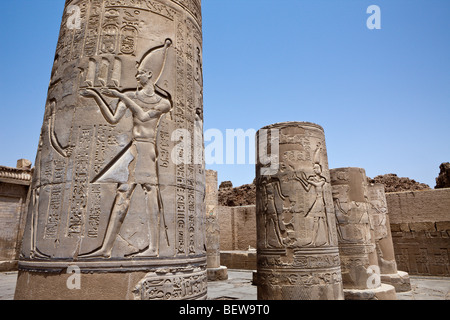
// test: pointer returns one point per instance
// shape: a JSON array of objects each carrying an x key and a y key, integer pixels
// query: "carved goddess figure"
[
  {"x": 273, "y": 217},
  {"x": 138, "y": 161},
  {"x": 317, "y": 211},
  {"x": 50, "y": 134}
]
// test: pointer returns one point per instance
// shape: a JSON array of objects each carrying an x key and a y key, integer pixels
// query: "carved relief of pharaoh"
[
  {"x": 315, "y": 184},
  {"x": 272, "y": 204},
  {"x": 137, "y": 163}
]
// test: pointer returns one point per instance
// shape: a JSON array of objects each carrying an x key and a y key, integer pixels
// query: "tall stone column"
[
  {"x": 360, "y": 270},
  {"x": 298, "y": 255},
  {"x": 214, "y": 269},
  {"x": 383, "y": 239},
  {"x": 116, "y": 204}
]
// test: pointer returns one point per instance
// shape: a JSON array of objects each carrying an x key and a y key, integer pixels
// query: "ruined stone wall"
[
  {"x": 394, "y": 183},
  {"x": 14, "y": 185},
  {"x": 237, "y": 227},
  {"x": 420, "y": 224},
  {"x": 239, "y": 259},
  {"x": 443, "y": 180},
  {"x": 244, "y": 195},
  {"x": 226, "y": 229}
]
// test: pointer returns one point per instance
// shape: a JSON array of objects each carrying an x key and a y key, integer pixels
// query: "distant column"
[
  {"x": 360, "y": 270},
  {"x": 298, "y": 256},
  {"x": 383, "y": 239},
  {"x": 214, "y": 270}
]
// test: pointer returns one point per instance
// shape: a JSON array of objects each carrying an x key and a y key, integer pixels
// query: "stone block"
[
  {"x": 400, "y": 281},
  {"x": 422, "y": 226},
  {"x": 383, "y": 292},
  {"x": 443, "y": 225}
]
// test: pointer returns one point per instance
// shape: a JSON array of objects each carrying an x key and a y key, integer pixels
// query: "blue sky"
[{"x": 382, "y": 96}]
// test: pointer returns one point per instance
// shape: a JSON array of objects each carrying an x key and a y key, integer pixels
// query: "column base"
[
  {"x": 217, "y": 274},
  {"x": 383, "y": 292},
  {"x": 139, "y": 285},
  {"x": 399, "y": 280}
]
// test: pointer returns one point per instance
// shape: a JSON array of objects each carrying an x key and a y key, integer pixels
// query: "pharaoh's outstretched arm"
[
  {"x": 112, "y": 118},
  {"x": 133, "y": 106},
  {"x": 302, "y": 181}
]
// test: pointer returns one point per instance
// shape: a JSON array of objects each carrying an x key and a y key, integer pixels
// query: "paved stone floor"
[{"x": 239, "y": 287}]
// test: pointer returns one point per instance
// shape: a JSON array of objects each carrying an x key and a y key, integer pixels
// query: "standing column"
[
  {"x": 214, "y": 269},
  {"x": 383, "y": 239},
  {"x": 116, "y": 208},
  {"x": 298, "y": 255},
  {"x": 360, "y": 270}
]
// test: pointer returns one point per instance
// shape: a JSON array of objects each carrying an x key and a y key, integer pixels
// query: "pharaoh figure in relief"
[
  {"x": 137, "y": 163},
  {"x": 321, "y": 229}
]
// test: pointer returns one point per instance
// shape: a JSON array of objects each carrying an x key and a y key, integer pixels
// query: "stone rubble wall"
[
  {"x": 443, "y": 180},
  {"x": 420, "y": 225},
  {"x": 237, "y": 228}
]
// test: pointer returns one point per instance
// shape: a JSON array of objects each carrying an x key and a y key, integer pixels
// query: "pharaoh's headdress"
[
  {"x": 317, "y": 154},
  {"x": 154, "y": 61}
]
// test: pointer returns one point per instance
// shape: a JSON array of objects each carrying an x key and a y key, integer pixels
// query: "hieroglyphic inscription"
[
  {"x": 80, "y": 182},
  {"x": 301, "y": 279},
  {"x": 93, "y": 28},
  {"x": 128, "y": 40},
  {"x": 164, "y": 145},
  {"x": 108, "y": 43},
  {"x": 54, "y": 216},
  {"x": 193, "y": 6},
  {"x": 181, "y": 123},
  {"x": 105, "y": 139},
  {"x": 190, "y": 115},
  {"x": 94, "y": 212},
  {"x": 56, "y": 198},
  {"x": 70, "y": 42},
  {"x": 78, "y": 36},
  {"x": 157, "y": 286}
]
